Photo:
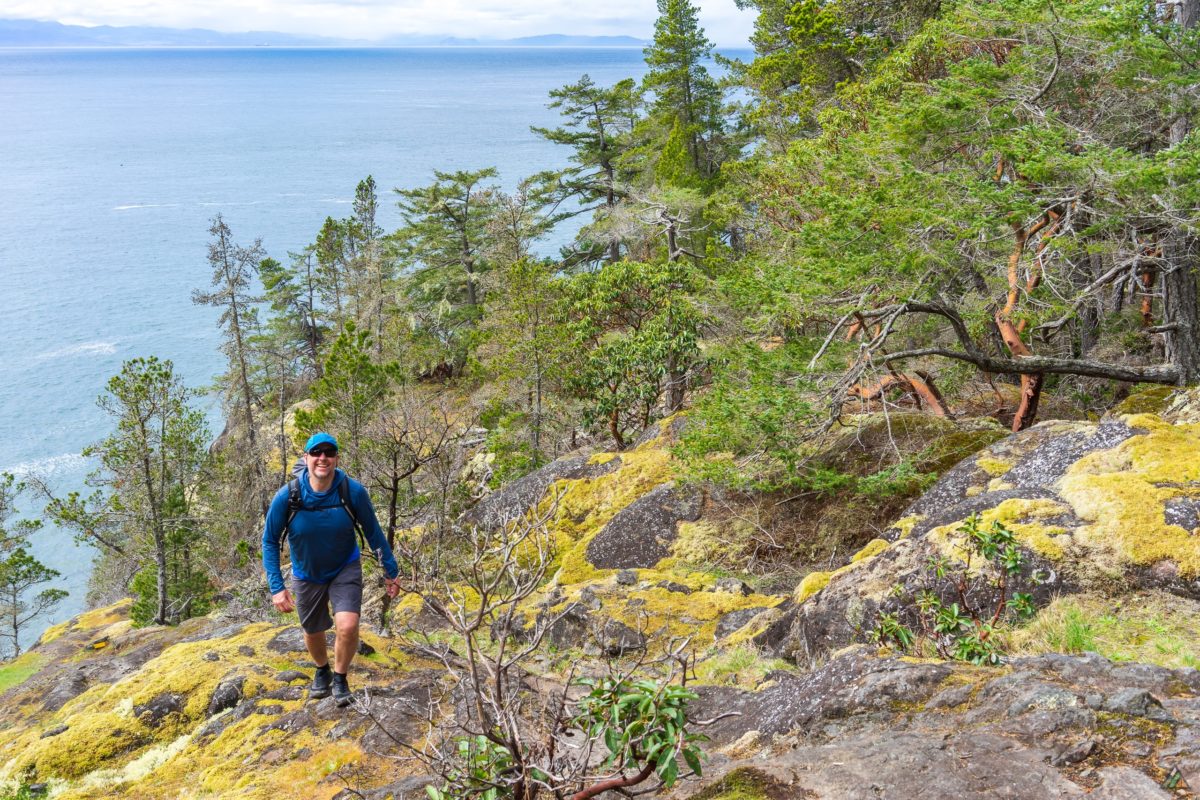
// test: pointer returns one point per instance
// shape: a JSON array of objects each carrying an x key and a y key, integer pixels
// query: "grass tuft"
[{"x": 1150, "y": 627}]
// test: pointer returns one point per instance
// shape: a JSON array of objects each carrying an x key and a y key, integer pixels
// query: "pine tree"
[
  {"x": 597, "y": 126},
  {"x": 684, "y": 92},
  {"x": 442, "y": 249},
  {"x": 147, "y": 480},
  {"x": 234, "y": 268},
  {"x": 20, "y": 571}
]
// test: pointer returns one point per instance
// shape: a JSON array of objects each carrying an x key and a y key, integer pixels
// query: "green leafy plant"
[
  {"x": 981, "y": 582},
  {"x": 644, "y": 726},
  {"x": 481, "y": 762}
]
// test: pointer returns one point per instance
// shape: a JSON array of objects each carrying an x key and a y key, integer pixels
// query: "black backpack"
[{"x": 296, "y": 504}]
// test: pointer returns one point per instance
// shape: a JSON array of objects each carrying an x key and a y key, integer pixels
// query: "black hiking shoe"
[
  {"x": 321, "y": 683},
  {"x": 341, "y": 690}
]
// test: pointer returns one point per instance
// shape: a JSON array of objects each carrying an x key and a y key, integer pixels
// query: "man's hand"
[
  {"x": 391, "y": 586},
  {"x": 283, "y": 602}
]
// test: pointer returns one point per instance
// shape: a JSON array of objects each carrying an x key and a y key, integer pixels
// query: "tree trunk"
[{"x": 1180, "y": 297}]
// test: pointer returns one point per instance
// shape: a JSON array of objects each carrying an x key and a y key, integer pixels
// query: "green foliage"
[
  {"x": 20, "y": 572},
  {"x": 189, "y": 590},
  {"x": 745, "y": 432},
  {"x": 805, "y": 50},
  {"x": 687, "y": 100},
  {"x": 481, "y": 762},
  {"x": 442, "y": 249},
  {"x": 150, "y": 468},
  {"x": 901, "y": 480},
  {"x": 597, "y": 125},
  {"x": 981, "y": 580},
  {"x": 643, "y": 725},
  {"x": 15, "y": 672},
  {"x": 514, "y": 455},
  {"x": 641, "y": 722},
  {"x": 526, "y": 348},
  {"x": 634, "y": 327},
  {"x": 350, "y": 388},
  {"x": 22, "y": 791}
]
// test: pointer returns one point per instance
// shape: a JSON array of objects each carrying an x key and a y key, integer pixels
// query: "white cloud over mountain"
[{"x": 374, "y": 19}]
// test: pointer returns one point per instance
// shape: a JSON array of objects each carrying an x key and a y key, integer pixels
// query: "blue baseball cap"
[{"x": 320, "y": 438}]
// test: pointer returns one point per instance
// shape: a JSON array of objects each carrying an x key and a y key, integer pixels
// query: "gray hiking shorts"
[{"x": 313, "y": 600}]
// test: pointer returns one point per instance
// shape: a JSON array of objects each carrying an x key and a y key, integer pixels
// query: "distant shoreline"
[{"x": 330, "y": 47}]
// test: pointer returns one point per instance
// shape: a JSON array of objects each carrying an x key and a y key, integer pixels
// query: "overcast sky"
[{"x": 371, "y": 19}]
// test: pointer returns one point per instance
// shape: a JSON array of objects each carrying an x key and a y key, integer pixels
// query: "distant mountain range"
[{"x": 34, "y": 33}]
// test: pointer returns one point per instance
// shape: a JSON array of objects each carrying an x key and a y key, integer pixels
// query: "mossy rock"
[
  {"x": 869, "y": 443},
  {"x": 1154, "y": 400},
  {"x": 748, "y": 783},
  {"x": 135, "y": 719},
  {"x": 1092, "y": 507}
]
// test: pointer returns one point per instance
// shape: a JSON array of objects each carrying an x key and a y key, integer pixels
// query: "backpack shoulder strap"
[
  {"x": 344, "y": 494},
  {"x": 295, "y": 503}
]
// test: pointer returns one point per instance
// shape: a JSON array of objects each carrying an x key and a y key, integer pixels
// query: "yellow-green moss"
[
  {"x": 1019, "y": 516},
  {"x": 702, "y": 542},
  {"x": 103, "y": 732},
  {"x": 906, "y": 524},
  {"x": 813, "y": 582},
  {"x": 872, "y": 548},
  {"x": 676, "y": 614},
  {"x": 1154, "y": 400},
  {"x": 993, "y": 466},
  {"x": 816, "y": 581},
  {"x": 89, "y": 742},
  {"x": 603, "y": 458},
  {"x": 96, "y": 618},
  {"x": 744, "y": 783},
  {"x": 586, "y": 505},
  {"x": 137, "y": 769},
  {"x": 1121, "y": 492}
]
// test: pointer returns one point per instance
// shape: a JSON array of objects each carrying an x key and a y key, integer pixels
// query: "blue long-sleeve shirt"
[{"x": 321, "y": 535}]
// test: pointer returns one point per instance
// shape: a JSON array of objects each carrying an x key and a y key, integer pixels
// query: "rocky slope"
[{"x": 1104, "y": 511}]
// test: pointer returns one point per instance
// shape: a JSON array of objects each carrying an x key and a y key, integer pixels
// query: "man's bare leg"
[
  {"x": 315, "y": 642},
  {"x": 346, "y": 643}
]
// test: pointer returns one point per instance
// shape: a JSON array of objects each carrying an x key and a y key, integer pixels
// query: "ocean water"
[{"x": 113, "y": 162}]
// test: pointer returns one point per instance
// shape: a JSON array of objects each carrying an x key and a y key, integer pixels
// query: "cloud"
[{"x": 372, "y": 19}]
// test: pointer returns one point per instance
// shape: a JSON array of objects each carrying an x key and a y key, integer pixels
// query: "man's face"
[{"x": 321, "y": 461}]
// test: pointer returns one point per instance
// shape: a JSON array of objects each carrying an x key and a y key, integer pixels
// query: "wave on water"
[
  {"x": 234, "y": 203},
  {"x": 48, "y": 467},
  {"x": 145, "y": 205},
  {"x": 87, "y": 348}
]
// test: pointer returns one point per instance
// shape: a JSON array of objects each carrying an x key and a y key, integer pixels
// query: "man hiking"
[{"x": 319, "y": 511}]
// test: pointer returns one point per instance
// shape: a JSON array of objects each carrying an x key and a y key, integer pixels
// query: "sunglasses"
[{"x": 330, "y": 452}]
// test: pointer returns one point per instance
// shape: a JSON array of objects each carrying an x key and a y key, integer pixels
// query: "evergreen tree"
[
  {"x": 352, "y": 386},
  {"x": 685, "y": 94},
  {"x": 20, "y": 572},
  {"x": 442, "y": 249},
  {"x": 597, "y": 126},
  {"x": 293, "y": 294},
  {"x": 148, "y": 477},
  {"x": 369, "y": 267},
  {"x": 526, "y": 340},
  {"x": 234, "y": 268}
]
